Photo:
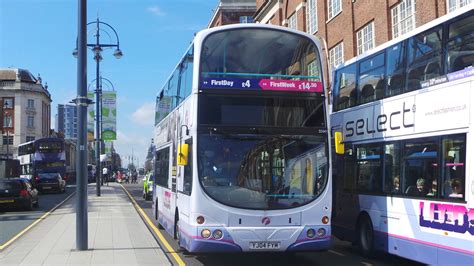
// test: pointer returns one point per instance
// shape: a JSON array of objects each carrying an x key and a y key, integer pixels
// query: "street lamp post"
[
  {"x": 5, "y": 106},
  {"x": 97, "y": 49}
]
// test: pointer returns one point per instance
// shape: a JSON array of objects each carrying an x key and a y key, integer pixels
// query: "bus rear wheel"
[{"x": 366, "y": 237}]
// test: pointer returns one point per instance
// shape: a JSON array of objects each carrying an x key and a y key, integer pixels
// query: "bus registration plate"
[{"x": 263, "y": 245}]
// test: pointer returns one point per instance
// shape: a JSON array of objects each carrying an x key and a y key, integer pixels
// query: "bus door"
[
  {"x": 347, "y": 203},
  {"x": 185, "y": 179}
]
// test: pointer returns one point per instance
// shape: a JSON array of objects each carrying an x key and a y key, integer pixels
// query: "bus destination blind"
[{"x": 262, "y": 84}]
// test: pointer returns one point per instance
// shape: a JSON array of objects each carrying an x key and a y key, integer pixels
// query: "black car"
[
  {"x": 50, "y": 182},
  {"x": 17, "y": 192}
]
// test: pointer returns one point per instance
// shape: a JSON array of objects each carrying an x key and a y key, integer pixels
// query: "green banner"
[
  {"x": 109, "y": 115},
  {"x": 90, "y": 117}
]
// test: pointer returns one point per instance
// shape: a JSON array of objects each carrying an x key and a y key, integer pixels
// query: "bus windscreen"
[{"x": 260, "y": 60}]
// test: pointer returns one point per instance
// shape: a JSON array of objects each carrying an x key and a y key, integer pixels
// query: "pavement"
[{"x": 116, "y": 235}]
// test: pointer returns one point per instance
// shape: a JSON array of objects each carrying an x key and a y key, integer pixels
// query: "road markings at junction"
[
  {"x": 142, "y": 213},
  {"x": 9, "y": 242}
]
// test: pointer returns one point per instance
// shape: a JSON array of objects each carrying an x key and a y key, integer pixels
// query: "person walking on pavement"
[{"x": 105, "y": 172}]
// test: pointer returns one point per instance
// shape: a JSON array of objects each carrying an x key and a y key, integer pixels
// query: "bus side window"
[
  {"x": 395, "y": 67},
  {"x": 421, "y": 166},
  {"x": 346, "y": 91},
  {"x": 188, "y": 169},
  {"x": 369, "y": 170},
  {"x": 454, "y": 168},
  {"x": 460, "y": 45},
  {"x": 392, "y": 168},
  {"x": 424, "y": 57},
  {"x": 162, "y": 167},
  {"x": 371, "y": 78}
]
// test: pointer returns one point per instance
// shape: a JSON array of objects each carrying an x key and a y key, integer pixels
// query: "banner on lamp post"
[
  {"x": 90, "y": 117},
  {"x": 109, "y": 115}
]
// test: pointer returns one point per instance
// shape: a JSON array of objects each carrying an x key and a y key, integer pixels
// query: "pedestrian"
[{"x": 105, "y": 172}]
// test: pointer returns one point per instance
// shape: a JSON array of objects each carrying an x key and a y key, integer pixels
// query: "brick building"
[
  {"x": 352, "y": 27},
  {"x": 232, "y": 11}
]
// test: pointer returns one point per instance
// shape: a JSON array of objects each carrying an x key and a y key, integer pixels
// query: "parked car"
[
  {"x": 17, "y": 192},
  {"x": 49, "y": 182}
]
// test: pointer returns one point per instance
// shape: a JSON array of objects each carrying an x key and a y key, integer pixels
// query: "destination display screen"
[{"x": 262, "y": 84}]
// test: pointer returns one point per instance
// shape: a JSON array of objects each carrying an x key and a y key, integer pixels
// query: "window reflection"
[{"x": 262, "y": 172}]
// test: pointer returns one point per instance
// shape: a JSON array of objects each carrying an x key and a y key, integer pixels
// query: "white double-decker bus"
[
  {"x": 242, "y": 156},
  {"x": 402, "y": 122}
]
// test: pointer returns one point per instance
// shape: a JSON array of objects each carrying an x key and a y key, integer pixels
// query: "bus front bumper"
[{"x": 268, "y": 239}]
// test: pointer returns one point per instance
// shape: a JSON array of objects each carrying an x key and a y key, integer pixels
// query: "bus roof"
[
  {"x": 201, "y": 35},
  {"x": 41, "y": 139}
]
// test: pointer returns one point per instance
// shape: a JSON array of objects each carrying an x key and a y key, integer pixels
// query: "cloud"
[
  {"x": 129, "y": 139},
  {"x": 155, "y": 10},
  {"x": 144, "y": 115},
  {"x": 132, "y": 144}
]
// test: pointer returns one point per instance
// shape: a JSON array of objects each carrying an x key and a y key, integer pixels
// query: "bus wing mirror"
[
  {"x": 338, "y": 143},
  {"x": 182, "y": 154}
]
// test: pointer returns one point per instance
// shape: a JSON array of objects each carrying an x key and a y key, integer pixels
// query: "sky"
[{"x": 40, "y": 35}]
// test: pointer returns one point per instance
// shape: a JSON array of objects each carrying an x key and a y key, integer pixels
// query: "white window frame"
[
  {"x": 334, "y": 8},
  {"x": 312, "y": 16},
  {"x": 312, "y": 67},
  {"x": 293, "y": 21},
  {"x": 452, "y": 5},
  {"x": 246, "y": 19},
  {"x": 403, "y": 17},
  {"x": 336, "y": 55},
  {"x": 366, "y": 38}
]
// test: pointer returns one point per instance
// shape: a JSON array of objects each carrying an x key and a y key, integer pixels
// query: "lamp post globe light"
[{"x": 97, "y": 48}]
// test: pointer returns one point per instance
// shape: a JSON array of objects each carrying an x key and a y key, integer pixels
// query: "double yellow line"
[
  {"x": 9, "y": 242},
  {"x": 142, "y": 213}
]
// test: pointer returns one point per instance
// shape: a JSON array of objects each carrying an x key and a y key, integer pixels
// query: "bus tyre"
[
  {"x": 366, "y": 237},
  {"x": 178, "y": 238}
]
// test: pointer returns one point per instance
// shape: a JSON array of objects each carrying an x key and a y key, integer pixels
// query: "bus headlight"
[
  {"x": 217, "y": 234},
  {"x": 206, "y": 233},
  {"x": 310, "y": 233},
  {"x": 321, "y": 232}
]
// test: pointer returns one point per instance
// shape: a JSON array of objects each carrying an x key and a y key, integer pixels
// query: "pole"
[
  {"x": 98, "y": 176},
  {"x": 8, "y": 144},
  {"x": 81, "y": 151}
]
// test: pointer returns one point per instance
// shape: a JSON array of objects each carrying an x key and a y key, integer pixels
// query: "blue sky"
[{"x": 39, "y": 35}]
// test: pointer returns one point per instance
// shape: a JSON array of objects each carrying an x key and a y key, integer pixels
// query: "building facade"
[
  {"x": 25, "y": 106},
  {"x": 66, "y": 120},
  {"x": 352, "y": 27},
  {"x": 233, "y": 11}
]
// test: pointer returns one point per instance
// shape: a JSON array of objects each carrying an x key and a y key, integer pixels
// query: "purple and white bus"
[
  {"x": 402, "y": 122},
  {"x": 45, "y": 155},
  {"x": 242, "y": 157}
]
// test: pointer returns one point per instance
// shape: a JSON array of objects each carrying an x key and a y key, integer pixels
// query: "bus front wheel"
[{"x": 366, "y": 237}]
